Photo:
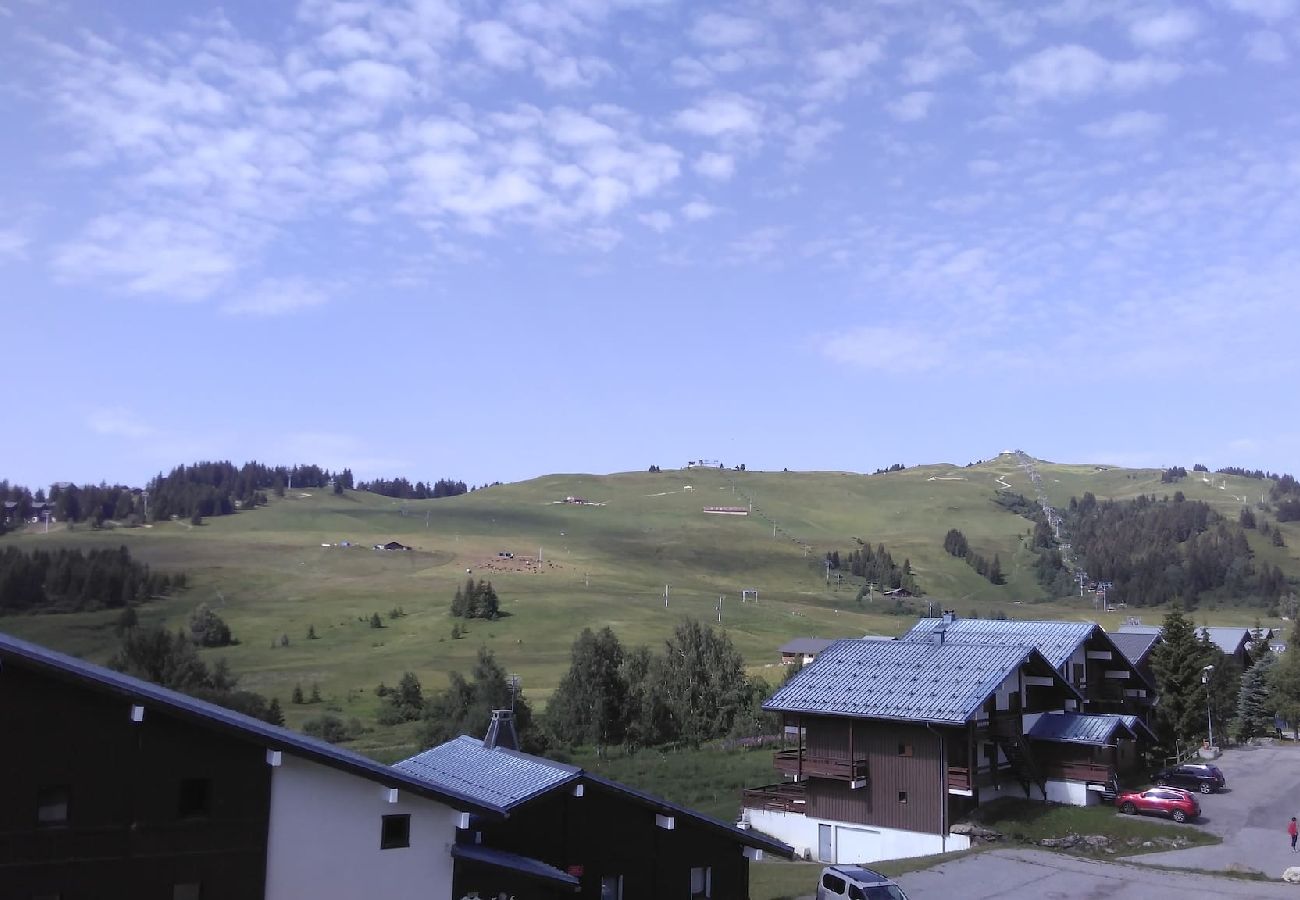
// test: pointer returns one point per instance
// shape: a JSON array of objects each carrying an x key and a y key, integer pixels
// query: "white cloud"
[
  {"x": 718, "y": 166},
  {"x": 499, "y": 45},
  {"x": 376, "y": 81},
  {"x": 1173, "y": 26},
  {"x": 698, "y": 210},
  {"x": 1266, "y": 47},
  {"x": 936, "y": 62},
  {"x": 886, "y": 348},
  {"x": 1125, "y": 125},
  {"x": 1269, "y": 10},
  {"x": 117, "y": 421},
  {"x": 721, "y": 115},
  {"x": 276, "y": 297},
  {"x": 835, "y": 68},
  {"x": 912, "y": 107},
  {"x": 1070, "y": 71},
  {"x": 657, "y": 221},
  {"x": 720, "y": 30},
  {"x": 13, "y": 244}
]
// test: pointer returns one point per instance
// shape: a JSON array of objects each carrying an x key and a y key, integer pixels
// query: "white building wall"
[
  {"x": 324, "y": 839},
  {"x": 853, "y": 842},
  {"x": 1073, "y": 793}
]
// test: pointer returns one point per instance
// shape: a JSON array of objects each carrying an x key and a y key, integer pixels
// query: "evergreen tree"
[
  {"x": 1284, "y": 683},
  {"x": 315, "y": 694},
  {"x": 207, "y": 628},
  {"x": 995, "y": 570},
  {"x": 375, "y": 621},
  {"x": 1177, "y": 663},
  {"x": 296, "y": 696},
  {"x": 274, "y": 714},
  {"x": 1254, "y": 708},
  {"x": 311, "y": 632}
]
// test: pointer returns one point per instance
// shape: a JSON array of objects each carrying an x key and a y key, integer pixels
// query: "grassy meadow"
[{"x": 266, "y": 572}]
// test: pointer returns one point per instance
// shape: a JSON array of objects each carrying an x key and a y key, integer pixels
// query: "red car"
[{"x": 1177, "y": 804}]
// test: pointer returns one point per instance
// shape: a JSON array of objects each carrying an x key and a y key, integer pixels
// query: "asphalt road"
[
  {"x": 1251, "y": 816},
  {"x": 1025, "y": 874}
]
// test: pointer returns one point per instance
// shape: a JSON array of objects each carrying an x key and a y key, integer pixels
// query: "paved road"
[
  {"x": 1251, "y": 816},
  {"x": 1041, "y": 875}
]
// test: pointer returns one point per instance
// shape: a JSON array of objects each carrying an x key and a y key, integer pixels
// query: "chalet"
[
  {"x": 897, "y": 740},
  {"x": 117, "y": 788},
  {"x": 1137, "y": 648},
  {"x": 1082, "y": 652},
  {"x": 392, "y": 545},
  {"x": 571, "y": 832},
  {"x": 803, "y": 650}
]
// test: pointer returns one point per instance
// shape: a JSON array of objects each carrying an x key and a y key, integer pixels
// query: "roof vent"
[
  {"x": 940, "y": 630},
  {"x": 501, "y": 731}
]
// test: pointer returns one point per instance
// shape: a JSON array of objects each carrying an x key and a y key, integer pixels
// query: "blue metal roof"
[
  {"x": 510, "y": 778},
  {"x": 1228, "y": 639},
  {"x": 497, "y": 776},
  {"x": 1057, "y": 641},
  {"x": 1134, "y": 645},
  {"x": 513, "y": 862},
  {"x": 152, "y": 696},
  {"x": 905, "y": 680},
  {"x": 1078, "y": 728}
]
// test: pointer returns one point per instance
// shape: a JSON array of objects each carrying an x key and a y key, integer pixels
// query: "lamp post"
[{"x": 1205, "y": 680}]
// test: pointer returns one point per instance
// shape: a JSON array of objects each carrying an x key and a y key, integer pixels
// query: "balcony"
[
  {"x": 959, "y": 779},
  {"x": 779, "y": 797},
  {"x": 798, "y": 764},
  {"x": 1080, "y": 771}
]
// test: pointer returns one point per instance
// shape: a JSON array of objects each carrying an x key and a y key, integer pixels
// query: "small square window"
[
  {"x": 189, "y": 890},
  {"x": 52, "y": 806},
  {"x": 396, "y": 833},
  {"x": 902, "y": 796},
  {"x": 904, "y": 749},
  {"x": 194, "y": 801}
]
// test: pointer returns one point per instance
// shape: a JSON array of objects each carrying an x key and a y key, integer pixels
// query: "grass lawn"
[{"x": 1029, "y": 821}]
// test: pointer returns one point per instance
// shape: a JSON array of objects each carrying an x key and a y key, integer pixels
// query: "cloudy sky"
[{"x": 490, "y": 240}]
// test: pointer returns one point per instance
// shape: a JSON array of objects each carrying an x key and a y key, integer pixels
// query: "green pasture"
[{"x": 579, "y": 565}]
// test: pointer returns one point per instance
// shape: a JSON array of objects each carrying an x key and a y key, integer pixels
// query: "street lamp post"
[{"x": 1205, "y": 680}]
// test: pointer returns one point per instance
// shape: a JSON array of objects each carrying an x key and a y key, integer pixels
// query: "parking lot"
[{"x": 1263, "y": 793}]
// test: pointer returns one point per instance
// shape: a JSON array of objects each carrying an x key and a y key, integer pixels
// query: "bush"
[
  {"x": 207, "y": 628},
  {"x": 333, "y": 729}
]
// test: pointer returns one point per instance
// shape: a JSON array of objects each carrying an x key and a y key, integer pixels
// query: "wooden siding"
[
  {"x": 922, "y": 775},
  {"x": 603, "y": 833},
  {"x": 123, "y": 837}
]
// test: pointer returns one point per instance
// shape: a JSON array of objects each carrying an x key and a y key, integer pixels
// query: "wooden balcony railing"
[
  {"x": 959, "y": 778},
  {"x": 1081, "y": 771},
  {"x": 779, "y": 797},
  {"x": 790, "y": 763}
]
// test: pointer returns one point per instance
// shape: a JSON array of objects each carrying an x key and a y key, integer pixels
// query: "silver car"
[{"x": 856, "y": 883}]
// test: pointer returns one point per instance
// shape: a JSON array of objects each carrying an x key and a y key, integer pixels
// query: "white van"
[{"x": 857, "y": 883}]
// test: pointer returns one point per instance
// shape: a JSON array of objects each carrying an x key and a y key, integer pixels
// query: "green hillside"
[{"x": 267, "y": 573}]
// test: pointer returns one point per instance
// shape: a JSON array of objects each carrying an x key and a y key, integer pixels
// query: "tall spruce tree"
[
  {"x": 1254, "y": 707},
  {"x": 1177, "y": 663},
  {"x": 1284, "y": 683}
]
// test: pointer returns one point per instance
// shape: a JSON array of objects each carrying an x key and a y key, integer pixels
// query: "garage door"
[{"x": 856, "y": 845}]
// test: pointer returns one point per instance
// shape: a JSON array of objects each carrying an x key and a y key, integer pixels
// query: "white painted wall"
[
  {"x": 1074, "y": 793},
  {"x": 324, "y": 839},
  {"x": 853, "y": 842}
]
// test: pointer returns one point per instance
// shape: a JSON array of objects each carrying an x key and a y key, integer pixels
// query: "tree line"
[
  {"x": 1155, "y": 552},
  {"x": 877, "y": 566},
  {"x": 402, "y": 489},
  {"x": 76, "y": 580},
  {"x": 956, "y": 544},
  {"x": 476, "y": 601}
]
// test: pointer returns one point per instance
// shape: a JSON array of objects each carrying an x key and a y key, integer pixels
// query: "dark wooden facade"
[
  {"x": 605, "y": 833},
  {"x": 150, "y": 804}
]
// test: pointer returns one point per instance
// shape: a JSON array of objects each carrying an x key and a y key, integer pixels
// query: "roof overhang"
[{"x": 527, "y": 867}]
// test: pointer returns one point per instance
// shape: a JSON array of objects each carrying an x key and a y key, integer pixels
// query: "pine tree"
[
  {"x": 274, "y": 714},
  {"x": 315, "y": 694},
  {"x": 311, "y": 632},
  {"x": 1254, "y": 707},
  {"x": 1177, "y": 663},
  {"x": 375, "y": 621},
  {"x": 296, "y": 696},
  {"x": 995, "y": 570}
]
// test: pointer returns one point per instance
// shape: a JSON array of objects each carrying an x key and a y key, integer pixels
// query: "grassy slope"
[{"x": 267, "y": 574}]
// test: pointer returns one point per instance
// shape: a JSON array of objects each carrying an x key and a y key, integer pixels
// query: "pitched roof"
[
  {"x": 497, "y": 776},
  {"x": 807, "y": 645},
  {"x": 1226, "y": 638},
  {"x": 1057, "y": 641},
  {"x": 512, "y": 779},
  {"x": 238, "y": 725},
  {"x": 1077, "y": 728},
  {"x": 1135, "y": 646},
  {"x": 513, "y": 862},
  {"x": 904, "y": 680}
]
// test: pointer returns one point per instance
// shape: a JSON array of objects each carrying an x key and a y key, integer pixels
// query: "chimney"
[
  {"x": 501, "y": 731},
  {"x": 939, "y": 632},
  {"x": 949, "y": 616}
]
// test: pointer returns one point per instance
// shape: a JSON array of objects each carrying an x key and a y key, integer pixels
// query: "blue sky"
[{"x": 494, "y": 240}]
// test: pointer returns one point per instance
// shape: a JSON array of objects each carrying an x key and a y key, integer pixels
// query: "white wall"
[
  {"x": 853, "y": 842},
  {"x": 324, "y": 839},
  {"x": 1074, "y": 793}
]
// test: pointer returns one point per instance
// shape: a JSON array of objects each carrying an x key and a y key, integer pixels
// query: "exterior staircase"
[{"x": 1016, "y": 749}]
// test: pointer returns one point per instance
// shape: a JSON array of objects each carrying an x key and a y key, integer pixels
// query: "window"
[
  {"x": 904, "y": 749},
  {"x": 195, "y": 798},
  {"x": 855, "y": 893},
  {"x": 833, "y": 883},
  {"x": 701, "y": 883},
  {"x": 189, "y": 890},
  {"x": 611, "y": 887},
  {"x": 52, "y": 806},
  {"x": 396, "y": 833},
  {"x": 902, "y": 796}
]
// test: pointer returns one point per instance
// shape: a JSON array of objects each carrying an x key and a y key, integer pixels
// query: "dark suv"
[{"x": 1201, "y": 777}]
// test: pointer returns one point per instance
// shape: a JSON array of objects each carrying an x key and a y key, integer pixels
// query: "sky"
[{"x": 494, "y": 240}]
